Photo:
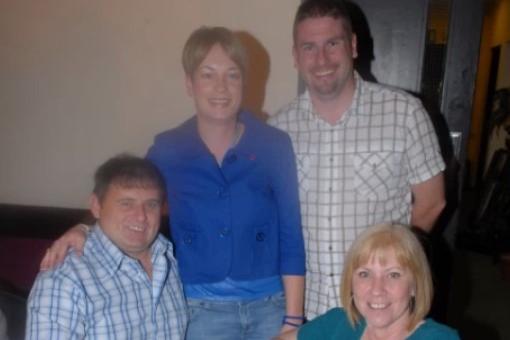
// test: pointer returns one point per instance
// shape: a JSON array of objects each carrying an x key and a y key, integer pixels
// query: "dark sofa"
[{"x": 25, "y": 234}]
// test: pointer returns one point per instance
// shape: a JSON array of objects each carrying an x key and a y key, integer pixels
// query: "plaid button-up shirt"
[
  {"x": 355, "y": 173},
  {"x": 104, "y": 294}
]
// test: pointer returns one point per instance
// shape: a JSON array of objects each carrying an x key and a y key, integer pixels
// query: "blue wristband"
[
  {"x": 286, "y": 322},
  {"x": 291, "y": 324}
]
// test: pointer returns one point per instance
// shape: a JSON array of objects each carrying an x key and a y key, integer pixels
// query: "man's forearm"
[
  {"x": 425, "y": 217},
  {"x": 428, "y": 202}
]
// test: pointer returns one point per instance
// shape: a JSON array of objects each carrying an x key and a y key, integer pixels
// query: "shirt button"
[{"x": 330, "y": 248}]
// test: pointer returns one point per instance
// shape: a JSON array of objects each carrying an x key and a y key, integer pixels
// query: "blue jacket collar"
[{"x": 192, "y": 145}]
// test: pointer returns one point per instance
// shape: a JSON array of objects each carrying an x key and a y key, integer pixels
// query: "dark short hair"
[
  {"x": 336, "y": 9},
  {"x": 127, "y": 171},
  {"x": 203, "y": 39}
]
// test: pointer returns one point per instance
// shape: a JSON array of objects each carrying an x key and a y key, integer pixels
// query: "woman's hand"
[
  {"x": 287, "y": 333},
  {"x": 73, "y": 238}
]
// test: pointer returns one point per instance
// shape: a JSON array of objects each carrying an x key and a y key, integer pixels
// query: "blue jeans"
[{"x": 235, "y": 320}]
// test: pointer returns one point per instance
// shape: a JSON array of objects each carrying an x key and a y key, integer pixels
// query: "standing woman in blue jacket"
[
  {"x": 232, "y": 192},
  {"x": 233, "y": 200}
]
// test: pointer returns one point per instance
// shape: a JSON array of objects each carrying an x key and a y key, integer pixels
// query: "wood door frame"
[
  {"x": 466, "y": 17},
  {"x": 461, "y": 65}
]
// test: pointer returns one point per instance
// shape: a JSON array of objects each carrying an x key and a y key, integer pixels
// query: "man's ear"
[
  {"x": 354, "y": 45},
  {"x": 189, "y": 85},
  {"x": 95, "y": 206},
  {"x": 294, "y": 55}
]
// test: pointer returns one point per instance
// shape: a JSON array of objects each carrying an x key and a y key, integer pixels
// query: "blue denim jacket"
[{"x": 239, "y": 220}]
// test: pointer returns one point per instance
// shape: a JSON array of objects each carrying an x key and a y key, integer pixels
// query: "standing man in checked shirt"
[
  {"x": 366, "y": 153},
  {"x": 126, "y": 284}
]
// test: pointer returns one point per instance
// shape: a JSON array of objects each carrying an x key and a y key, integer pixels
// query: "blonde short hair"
[
  {"x": 409, "y": 253},
  {"x": 203, "y": 39}
]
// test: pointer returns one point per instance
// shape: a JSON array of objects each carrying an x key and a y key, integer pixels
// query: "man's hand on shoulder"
[{"x": 73, "y": 238}]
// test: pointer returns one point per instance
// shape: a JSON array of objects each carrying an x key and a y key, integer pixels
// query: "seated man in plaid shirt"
[{"x": 126, "y": 284}]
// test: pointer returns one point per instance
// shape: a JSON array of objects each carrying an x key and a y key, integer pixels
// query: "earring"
[{"x": 412, "y": 303}]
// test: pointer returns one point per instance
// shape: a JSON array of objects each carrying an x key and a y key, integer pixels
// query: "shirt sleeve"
[
  {"x": 285, "y": 186},
  {"x": 423, "y": 152},
  {"x": 55, "y": 309}
]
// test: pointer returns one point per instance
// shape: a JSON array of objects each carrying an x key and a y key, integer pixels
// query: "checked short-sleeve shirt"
[
  {"x": 104, "y": 294},
  {"x": 355, "y": 173}
]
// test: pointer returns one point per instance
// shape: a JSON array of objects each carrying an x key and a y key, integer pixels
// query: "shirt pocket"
[{"x": 376, "y": 174}]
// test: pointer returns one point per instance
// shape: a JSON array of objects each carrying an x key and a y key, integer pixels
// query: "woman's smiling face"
[
  {"x": 382, "y": 289},
  {"x": 216, "y": 86}
]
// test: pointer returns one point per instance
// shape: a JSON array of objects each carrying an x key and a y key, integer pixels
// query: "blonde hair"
[
  {"x": 203, "y": 39},
  {"x": 409, "y": 253}
]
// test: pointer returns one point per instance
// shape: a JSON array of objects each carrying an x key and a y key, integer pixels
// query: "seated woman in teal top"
[{"x": 386, "y": 292}]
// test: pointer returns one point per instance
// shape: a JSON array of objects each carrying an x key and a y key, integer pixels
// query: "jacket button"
[
  {"x": 188, "y": 240},
  {"x": 260, "y": 236},
  {"x": 224, "y": 232}
]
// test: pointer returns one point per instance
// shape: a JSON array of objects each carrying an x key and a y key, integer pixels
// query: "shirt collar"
[
  {"x": 192, "y": 145},
  {"x": 305, "y": 102},
  {"x": 104, "y": 250},
  {"x": 112, "y": 257}
]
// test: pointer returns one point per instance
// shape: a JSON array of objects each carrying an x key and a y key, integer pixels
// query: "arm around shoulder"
[{"x": 73, "y": 238}]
